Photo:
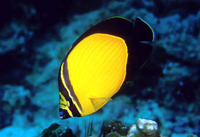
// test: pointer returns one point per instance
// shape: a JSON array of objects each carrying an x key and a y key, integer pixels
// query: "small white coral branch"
[{"x": 144, "y": 128}]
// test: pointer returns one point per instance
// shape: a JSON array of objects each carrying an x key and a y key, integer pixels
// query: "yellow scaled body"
[{"x": 97, "y": 71}]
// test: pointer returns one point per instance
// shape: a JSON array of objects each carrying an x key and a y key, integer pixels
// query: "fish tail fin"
[
  {"x": 142, "y": 31},
  {"x": 143, "y": 37}
]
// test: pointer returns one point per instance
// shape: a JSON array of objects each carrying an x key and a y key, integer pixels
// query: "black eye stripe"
[{"x": 64, "y": 114}]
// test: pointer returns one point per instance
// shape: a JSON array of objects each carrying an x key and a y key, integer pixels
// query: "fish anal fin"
[{"x": 98, "y": 102}]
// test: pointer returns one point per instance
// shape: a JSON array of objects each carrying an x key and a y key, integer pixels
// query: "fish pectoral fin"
[{"x": 98, "y": 102}]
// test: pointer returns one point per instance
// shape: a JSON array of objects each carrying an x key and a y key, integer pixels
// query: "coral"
[
  {"x": 15, "y": 95},
  {"x": 183, "y": 7},
  {"x": 5, "y": 117},
  {"x": 13, "y": 36},
  {"x": 16, "y": 100},
  {"x": 171, "y": 32},
  {"x": 144, "y": 128}
]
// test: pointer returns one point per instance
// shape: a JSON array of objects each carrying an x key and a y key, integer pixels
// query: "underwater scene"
[{"x": 100, "y": 68}]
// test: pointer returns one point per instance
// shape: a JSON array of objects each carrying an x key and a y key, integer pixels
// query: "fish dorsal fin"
[{"x": 98, "y": 102}]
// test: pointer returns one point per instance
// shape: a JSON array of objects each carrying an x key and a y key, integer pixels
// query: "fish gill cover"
[{"x": 35, "y": 37}]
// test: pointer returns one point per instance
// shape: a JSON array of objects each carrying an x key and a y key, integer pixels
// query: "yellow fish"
[{"x": 96, "y": 66}]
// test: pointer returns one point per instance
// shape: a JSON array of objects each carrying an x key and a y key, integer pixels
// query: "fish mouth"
[{"x": 64, "y": 114}]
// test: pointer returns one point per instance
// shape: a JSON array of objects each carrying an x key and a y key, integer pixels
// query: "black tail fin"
[{"x": 141, "y": 46}]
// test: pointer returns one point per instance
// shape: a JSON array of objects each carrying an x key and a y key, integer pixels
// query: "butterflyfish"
[{"x": 99, "y": 62}]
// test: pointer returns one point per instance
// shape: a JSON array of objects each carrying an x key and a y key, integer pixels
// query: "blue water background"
[{"x": 36, "y": 35}]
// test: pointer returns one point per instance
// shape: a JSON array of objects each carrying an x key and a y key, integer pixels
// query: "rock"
[
  {"x": 113, "y": 134},
  {"x": 192, "y": 135},
  {"x": 56, "y": 130},
  {"x": 115, "y": 126}
]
